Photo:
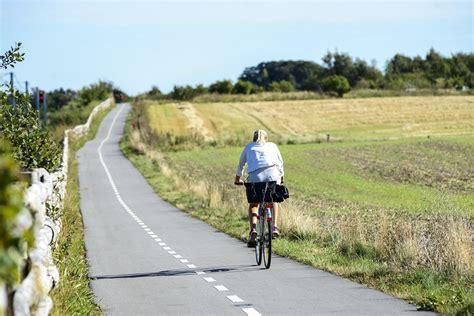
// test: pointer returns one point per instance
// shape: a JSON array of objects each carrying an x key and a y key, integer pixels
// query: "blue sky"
[{"x": 137, "y": 44}]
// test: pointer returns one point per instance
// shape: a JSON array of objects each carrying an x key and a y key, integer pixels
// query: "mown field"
[
  {"x": 380, "y": 203},
  {"x": 310, "y": 120}
]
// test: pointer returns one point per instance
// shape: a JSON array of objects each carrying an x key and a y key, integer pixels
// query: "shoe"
[
  {"x": 252, "y": 239},
  {"x": 275, "y": 232}
]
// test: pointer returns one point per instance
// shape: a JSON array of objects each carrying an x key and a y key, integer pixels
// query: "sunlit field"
[{"x": 310, "y": 120}]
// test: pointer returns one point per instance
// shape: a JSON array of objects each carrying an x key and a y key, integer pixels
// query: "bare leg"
[
  {"x": 253, "y": 212},
  {"x": 275, "y": 214}
]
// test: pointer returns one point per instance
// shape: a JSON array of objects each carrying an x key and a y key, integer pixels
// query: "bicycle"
[{"x": 263, "y": 193}]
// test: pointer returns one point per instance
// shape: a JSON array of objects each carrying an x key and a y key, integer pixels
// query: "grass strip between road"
[
  {"x": 72, "y": 295},
  {"x": 428, "y": 289}
]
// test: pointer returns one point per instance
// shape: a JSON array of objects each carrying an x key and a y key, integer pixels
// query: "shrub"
[
  {"x": 221, "y": 87},
  {"x": 244, "y": 87},
  {"x": 32, "y": 146},
  {"x": 336, "y": 84},
  {"x": 13, "y": 241},
  {"x": 282, "y": 86}
]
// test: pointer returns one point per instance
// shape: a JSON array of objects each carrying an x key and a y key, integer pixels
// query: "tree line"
[{"x": 339, "y": 73}]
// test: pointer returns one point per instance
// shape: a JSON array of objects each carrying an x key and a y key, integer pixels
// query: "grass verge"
[{"x": 72, "y": 295}]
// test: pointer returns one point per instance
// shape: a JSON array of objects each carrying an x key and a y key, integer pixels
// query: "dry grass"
[{"x": 308, "y": 120}]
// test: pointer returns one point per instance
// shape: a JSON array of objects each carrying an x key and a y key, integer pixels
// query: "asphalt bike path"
[{"x": 147, "y": 257}]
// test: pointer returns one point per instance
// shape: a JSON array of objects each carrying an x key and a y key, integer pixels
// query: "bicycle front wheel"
[{"x": 267, "y": 243}]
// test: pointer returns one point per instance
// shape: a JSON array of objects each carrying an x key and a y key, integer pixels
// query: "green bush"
[
  {"x": 221, "y": 87},
  {"x": 13, "y": 245},
  {"x": 282, "y": 86},
  {"x": 96, "y": 91},
  {"x": 244, "y": 87},
  {"x": 32, "y": 147},
  {"x": 336, "y": 84}
]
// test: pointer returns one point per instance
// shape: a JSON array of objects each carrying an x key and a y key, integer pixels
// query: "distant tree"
[
  {"x": 200, "y": 89},
  {"x": 282, "y": 86},
  {"x": 58, "y": 98},
  {"x": 244, "y": 87},
  {"x": 182, "y": 92},
  {"x": 95, "y": 91},
  {"x": 297, "y": 72},
  {"x": 221, "y": 87},
  {"x": 436, "y": 67},
  {"x": 336, "y": 84},
  {"x": 155, "y": 91}
]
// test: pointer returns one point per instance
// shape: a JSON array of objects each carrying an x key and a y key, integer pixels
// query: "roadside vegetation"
[{"x": 388, "y": 201}]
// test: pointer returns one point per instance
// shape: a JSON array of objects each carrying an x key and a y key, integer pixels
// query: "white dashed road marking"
[
  {"x": 209, "y": 279},
  {"x": 221, "y": 288},
  {"x": 235, "y": 299},
  {"x": 251, "y": 311}
]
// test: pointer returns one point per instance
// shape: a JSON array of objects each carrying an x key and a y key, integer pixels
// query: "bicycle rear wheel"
[
  {"x": 259, "y": 245},
  {"x": 267, "y": 242}
]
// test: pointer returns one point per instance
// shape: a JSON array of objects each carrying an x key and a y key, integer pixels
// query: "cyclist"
[{"x": 264, "y": 164}]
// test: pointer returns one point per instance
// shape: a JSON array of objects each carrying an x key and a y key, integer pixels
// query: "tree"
[
  {"x": 244, "y": 87},
  {"x": 59, "y": 98},
  {"x": 282, "y": 86},
  {"x": 296, "y": 72},
  {"x": 221, "y": 87},
  {"x": 336, "y": 84},
  {"x": 182, "y": 92}
]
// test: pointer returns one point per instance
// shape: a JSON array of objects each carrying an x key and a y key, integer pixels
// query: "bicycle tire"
[
  {"x": 267, "y": 243},
  {"x": 259, "y": 244}
]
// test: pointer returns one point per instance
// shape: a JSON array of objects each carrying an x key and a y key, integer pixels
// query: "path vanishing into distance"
[{"x": 147, "y": 257}]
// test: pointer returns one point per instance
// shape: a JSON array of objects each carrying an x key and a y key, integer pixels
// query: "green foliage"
[
  {"x": 297, "y": 72},
  {"x": 336, "y": 84},
  {"x": 282, "y": 86},
  {"x": 32, "y": 146},
  {"x": 438, "y": 71},
  {"x": 78, "y": 109},
  {"x": 12, "y": 244},
  {"x": 244, "y": 87},
  {"x": 96, "y": 91},
  {"x": 58, "y": 98},
  {"x": 221, "y": 87},
  {"x": 11, "y": 57},
  {"x": 183, "y": 92}
]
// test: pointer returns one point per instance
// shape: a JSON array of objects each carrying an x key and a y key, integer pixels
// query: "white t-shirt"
[{"x": 260, "y": 156}]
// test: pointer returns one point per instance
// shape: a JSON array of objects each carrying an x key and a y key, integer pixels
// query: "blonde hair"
[{"x": 260, "y": 136}]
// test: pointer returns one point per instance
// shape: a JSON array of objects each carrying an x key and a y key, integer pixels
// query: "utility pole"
[
  {"x": 26, "y": 87},
  {"x": 38, "y": 106},
  {"x": 12, "y": 89},
  {"x": 44, "y": 110}
]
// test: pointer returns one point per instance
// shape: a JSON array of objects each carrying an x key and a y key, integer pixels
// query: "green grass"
[{"x": 73, "y": 296}]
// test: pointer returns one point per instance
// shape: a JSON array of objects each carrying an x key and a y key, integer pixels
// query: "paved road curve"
[{"x": 148, "y": 258}]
